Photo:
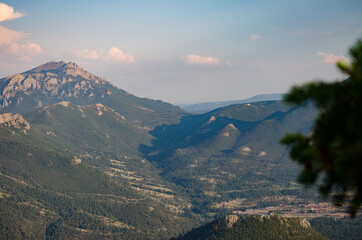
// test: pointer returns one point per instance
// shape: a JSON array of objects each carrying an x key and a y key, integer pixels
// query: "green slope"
[
  {"x": 50, "y": 188},
  {"x": 254, "y": 227},
  {"x": 91, "y": 127},
  {"x": 232, "y": 153},
  {"x": 93, "y": 161},
  {"x": 101, "y": 137},
  {"x": 339, "y": 229},
  {"x": 80, "y": 172}
]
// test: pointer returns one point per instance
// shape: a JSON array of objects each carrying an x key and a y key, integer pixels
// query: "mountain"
[
  {"x": 230, "y": 159},
  {"x": 92, "y": 127},
  {"x": 80, "y": 158},
  {"x": 102, "y": 137},
  {"x": 62, "y": 178},
  {"x": 200, "y": 108},
  {"x": 54, "y": 82},
  {"x": 254, "y": 227},
  {"x": 75, "y": 147}
]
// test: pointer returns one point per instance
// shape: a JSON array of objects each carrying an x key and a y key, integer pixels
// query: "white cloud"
[
  {"x": 86, "y": 54},
  {"x": 23, "y": 52},
  {"x": 9, "y": 36},
  {"x": 117, "y": 55},
  {"x": 255, "y": 37},
  {"x": 29, "y": 49},
  {"x": 10, "y": 46},
  {"x": 8, "y": 13},
  {"x": 196, "y": 59},
  {"x": 330, "y": 58}
]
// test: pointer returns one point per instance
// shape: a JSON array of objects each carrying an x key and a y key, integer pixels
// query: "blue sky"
[{"x": 184, "y": 51}]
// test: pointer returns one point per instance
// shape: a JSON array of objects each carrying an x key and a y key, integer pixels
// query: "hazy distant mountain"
[
  {"x": 209, "y": 106},
  {"x": 253, "y": 228},
  {"x": 54, "y": 82}
]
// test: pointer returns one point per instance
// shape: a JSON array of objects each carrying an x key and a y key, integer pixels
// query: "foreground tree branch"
[{"x": 333, "y": 150}]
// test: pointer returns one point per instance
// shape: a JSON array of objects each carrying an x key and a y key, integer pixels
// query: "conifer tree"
[{"x": 333, "y": 150}]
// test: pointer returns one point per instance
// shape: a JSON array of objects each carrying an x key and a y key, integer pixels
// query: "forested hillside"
[
  {"x": 80, "y": 158},
  {"x": 233, "y": 227},
  {"x": 230, "y": 159},
  {"x": 51, "y": 193}
]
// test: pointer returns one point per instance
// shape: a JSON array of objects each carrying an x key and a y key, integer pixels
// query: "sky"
[{"x": 184, "y": 52}]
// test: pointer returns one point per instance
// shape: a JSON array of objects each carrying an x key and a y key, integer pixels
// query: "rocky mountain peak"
[
  {"x": 53, "y": 79},
  {"x": 55, "y": 82},
  {"x": 52, "y": 65},
  {"x": 61, "y": 68}
]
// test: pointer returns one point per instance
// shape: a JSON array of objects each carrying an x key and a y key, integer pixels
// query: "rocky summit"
[
  {"x": 51, "y": 79},
  {"x": 54, "y": 82}
]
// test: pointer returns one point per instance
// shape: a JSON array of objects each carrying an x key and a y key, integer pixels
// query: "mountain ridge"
[
  {"x": 65, "y": 167},
  {"x": 232, "y": 153},
  {"x": 149, "y": 169},
  {"x": 60, "y": 81},
  {"x": 200, "y": 108}
]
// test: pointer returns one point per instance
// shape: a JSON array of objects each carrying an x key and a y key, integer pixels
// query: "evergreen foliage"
[
  {"x": 254, "y": 227},
  {"x": 218, "y": 156},
  {"x": 334, "y": 148},
  {"x": 44, "y": 194},
  {"x": 338, "y": 229}
]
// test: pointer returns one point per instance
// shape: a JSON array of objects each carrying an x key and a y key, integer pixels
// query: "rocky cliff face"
[
  {"x": 55, "y": 82},
  {"x": 14, "y": 120},
  {"x": 227, "y": 222},
  {"x": 58, "y": 79}
]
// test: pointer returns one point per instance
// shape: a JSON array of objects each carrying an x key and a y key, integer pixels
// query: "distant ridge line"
[{"x": 200, "y": 108}]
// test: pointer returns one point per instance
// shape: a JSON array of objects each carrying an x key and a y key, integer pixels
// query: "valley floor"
[{"x": 311, "y": 210}]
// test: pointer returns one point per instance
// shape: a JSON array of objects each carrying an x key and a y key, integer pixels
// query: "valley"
[
  {"x": 80, "y": 158},
  {"x": 311, "y": 210},
  {"x": 180, "y": 120}
]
